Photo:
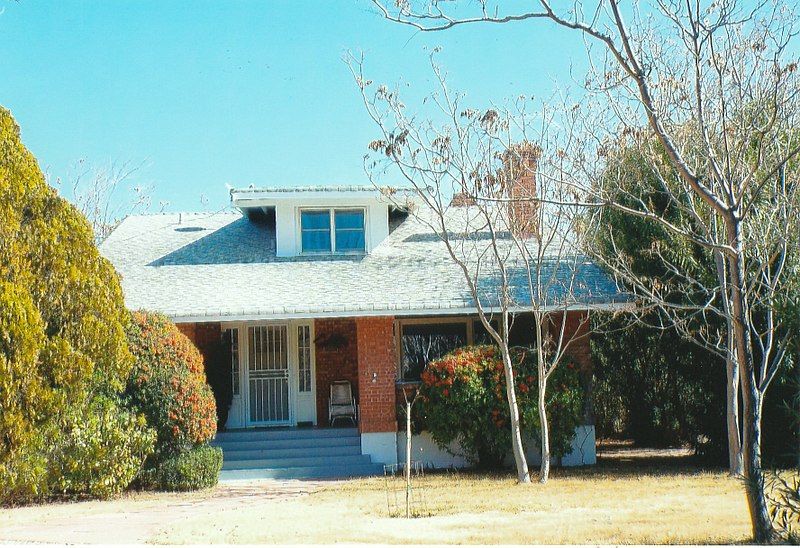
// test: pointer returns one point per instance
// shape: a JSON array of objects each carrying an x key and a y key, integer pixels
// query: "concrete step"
[
  {"x": 264, "y": 452},
  {"x": 296, "y": 462},
  {"x": 285, "y": 434},
  {"x": 303, "y": 472},
  {"x": 297, "y": 443}
]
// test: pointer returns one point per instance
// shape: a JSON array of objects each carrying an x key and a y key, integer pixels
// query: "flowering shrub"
[
  {"x": 168, "y": 384},
  {"x": 464, "y": 401}
]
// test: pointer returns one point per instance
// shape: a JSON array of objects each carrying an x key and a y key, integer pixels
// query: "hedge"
[{"x": 195, "y": 468}]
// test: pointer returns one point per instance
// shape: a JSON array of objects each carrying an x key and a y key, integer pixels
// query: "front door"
[{"x": 268, "y": 375}]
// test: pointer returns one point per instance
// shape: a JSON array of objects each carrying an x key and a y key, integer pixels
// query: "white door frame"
[{"x": 295, "y": 397}]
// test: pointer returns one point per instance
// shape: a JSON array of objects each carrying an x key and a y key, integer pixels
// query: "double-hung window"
[{"x": 332, "y": 230}]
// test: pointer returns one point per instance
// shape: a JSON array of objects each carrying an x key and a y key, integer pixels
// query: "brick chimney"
[{"x": 520, "y": 162}]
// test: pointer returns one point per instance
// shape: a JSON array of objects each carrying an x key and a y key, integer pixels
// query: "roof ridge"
[{"x": 319, "y": 188}]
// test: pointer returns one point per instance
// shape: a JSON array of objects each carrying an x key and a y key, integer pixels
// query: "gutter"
[{"x": 397, "y": 313}]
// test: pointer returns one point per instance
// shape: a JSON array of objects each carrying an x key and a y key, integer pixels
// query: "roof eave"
[{"x": 612, "y": 306}]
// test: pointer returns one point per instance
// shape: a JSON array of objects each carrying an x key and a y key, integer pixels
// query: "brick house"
[{"x": 315, "y": 285}]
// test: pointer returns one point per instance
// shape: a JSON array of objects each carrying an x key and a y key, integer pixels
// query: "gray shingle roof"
[{"x": 223, "y": 266}]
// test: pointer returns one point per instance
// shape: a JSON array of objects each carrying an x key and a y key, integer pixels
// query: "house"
[{"x": 315, "y": 285}]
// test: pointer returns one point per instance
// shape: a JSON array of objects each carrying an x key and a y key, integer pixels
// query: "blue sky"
[{"x": 210, "y": 93}]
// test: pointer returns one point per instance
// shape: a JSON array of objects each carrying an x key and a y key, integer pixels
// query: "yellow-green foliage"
[{"x": 62, "y": 322}]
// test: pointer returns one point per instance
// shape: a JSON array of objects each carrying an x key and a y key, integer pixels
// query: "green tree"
[{"x": 62, "y": 334}]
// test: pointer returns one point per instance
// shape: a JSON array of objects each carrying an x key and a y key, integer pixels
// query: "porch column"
[
  {"x": 377, "y": 374},
  {"x": 583, "y": 446}
]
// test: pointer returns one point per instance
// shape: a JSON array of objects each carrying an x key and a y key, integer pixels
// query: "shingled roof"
[{"x": 223, "y": 266}]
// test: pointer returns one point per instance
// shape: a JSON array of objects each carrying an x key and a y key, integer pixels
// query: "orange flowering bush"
[
  {"x": 464, "y": 400},
  {"x": 168, "y": 384}
]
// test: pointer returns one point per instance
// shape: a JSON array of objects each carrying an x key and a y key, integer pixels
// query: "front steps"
[{"x": 293, "y": 453}]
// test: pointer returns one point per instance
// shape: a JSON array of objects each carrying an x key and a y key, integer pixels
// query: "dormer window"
[{"x": 332, "y": 230}]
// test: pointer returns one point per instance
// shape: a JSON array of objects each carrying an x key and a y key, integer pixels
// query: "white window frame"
[{"x": 332, "y": 212}]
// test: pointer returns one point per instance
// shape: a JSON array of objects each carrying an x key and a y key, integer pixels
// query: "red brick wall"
[
  {"x": 377, "y": 374},
  {"x": 578, "y": 326},
  {"x": 580, "y": 349},
  {"x": 203, "y": 335},
  {"x": 334, "y": 362}
]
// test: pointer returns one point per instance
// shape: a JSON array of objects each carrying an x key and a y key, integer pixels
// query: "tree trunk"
[
  {"x": 763, "y": 531},
  {"x": 523, "y": 475},
  {"x": 735, "y": 466},
  {"x": 544, "y": 473}
]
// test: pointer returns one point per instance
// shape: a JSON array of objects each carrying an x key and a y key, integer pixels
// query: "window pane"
[
  {"x": 422, "y": 343},
  {"x": 315, "y": 219},
  {"x": 349, "y": 240},
  {"x": 349, "y": 218},
  {"x": 304, "y": 354},
  {"x": 479, "y": 333},
  {"x": 316, "y": 240}
]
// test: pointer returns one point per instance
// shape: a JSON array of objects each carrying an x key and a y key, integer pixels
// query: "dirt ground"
[
  {"x": 140, "y": 517},
  {"x": 631, "y": 496}
]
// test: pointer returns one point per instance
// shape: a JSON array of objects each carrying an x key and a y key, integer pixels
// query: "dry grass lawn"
[
  {"x": 574, "y": 508},
  {"x": 615, "y": 502}
]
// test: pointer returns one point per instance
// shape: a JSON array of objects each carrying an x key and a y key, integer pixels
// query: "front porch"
[
  {"x": 281, "y": 375},
  {"x": 282, "y": 371}
]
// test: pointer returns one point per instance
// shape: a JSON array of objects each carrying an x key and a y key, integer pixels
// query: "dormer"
[{"x": 321, "y": 221}]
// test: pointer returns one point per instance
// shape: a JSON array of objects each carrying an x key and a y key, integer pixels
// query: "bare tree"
[
  {"x": 105, "y": 194},
  {"x": 517, "y": 253},
  {"x": 713, "y": 87}
]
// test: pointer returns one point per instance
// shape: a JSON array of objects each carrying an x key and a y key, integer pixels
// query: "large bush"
[
  {"x": 659, "y": 389},
  {"x": 62, "y": 319},
  {"x": 464, "y": 401},
  {"x": 168, "y": 385}
]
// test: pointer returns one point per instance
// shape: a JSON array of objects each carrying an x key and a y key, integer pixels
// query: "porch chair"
[{"x": 342, "y": 403}]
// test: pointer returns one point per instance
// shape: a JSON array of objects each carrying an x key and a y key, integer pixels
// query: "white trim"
[
  {"x": 398, "y": 312},
  {"x": 310, "y": 396},
  {"x": 293, "y": 357},
  {"x": 236, "y": 411},
  {"x": 428, "y": 452}
]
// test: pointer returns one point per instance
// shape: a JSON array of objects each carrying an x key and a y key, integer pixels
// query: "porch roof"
[{"x": 222, "y": 266}]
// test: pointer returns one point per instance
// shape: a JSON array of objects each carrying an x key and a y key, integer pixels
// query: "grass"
[
  {"x": 619, "y": 501},
  {"x": 609, "y": 504}
]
